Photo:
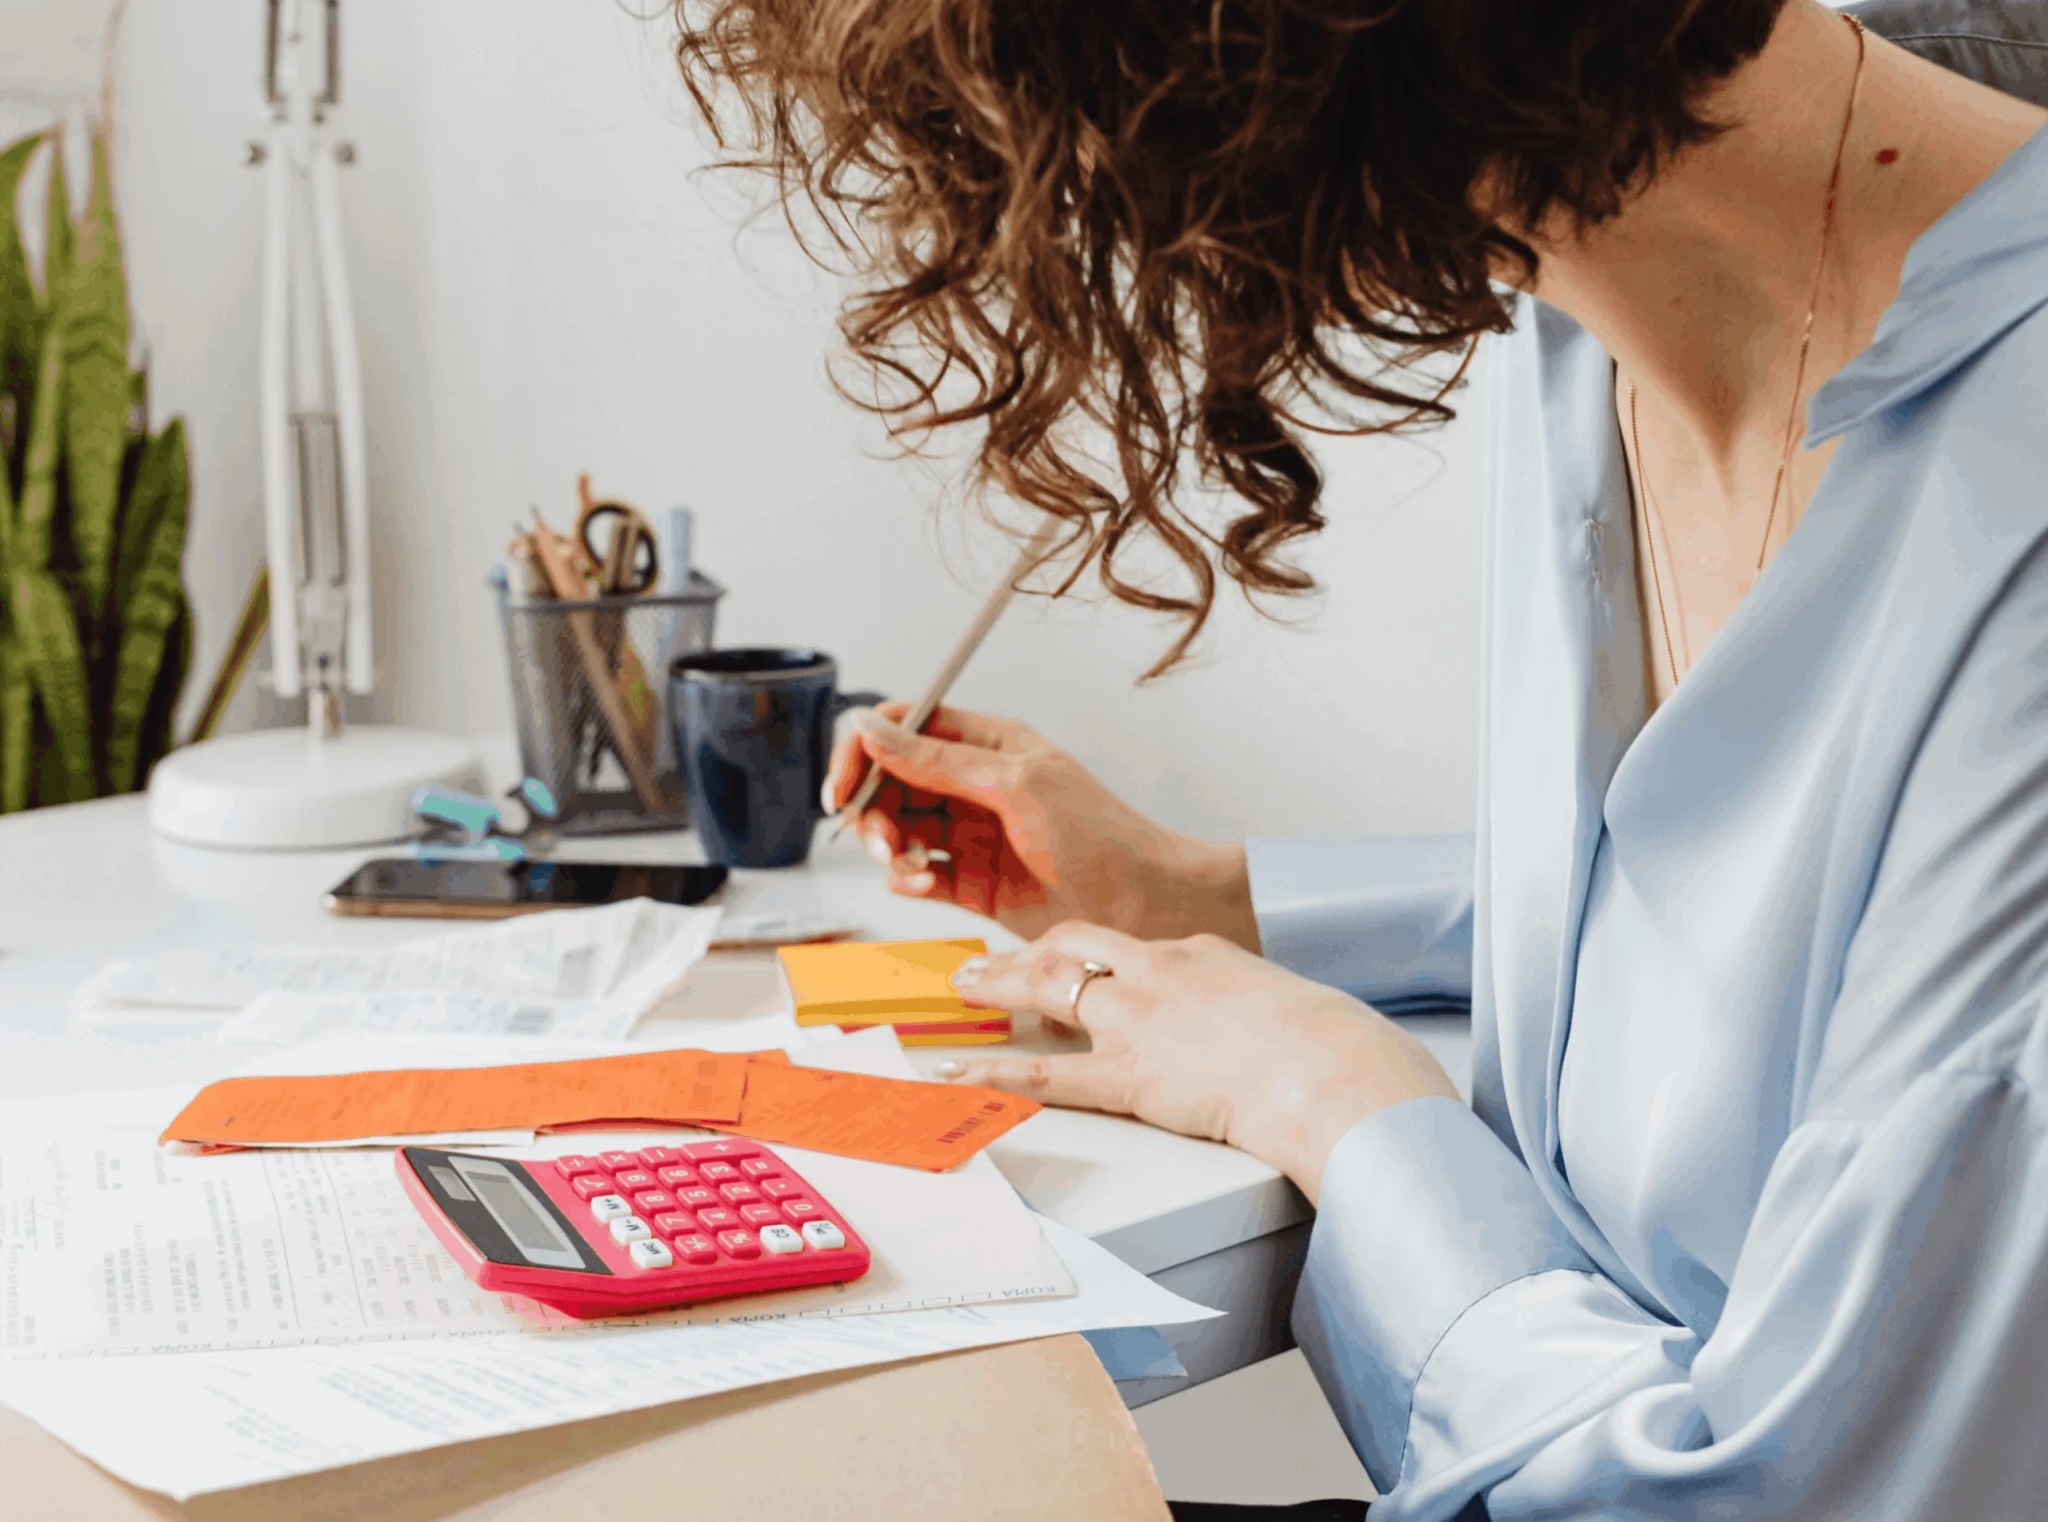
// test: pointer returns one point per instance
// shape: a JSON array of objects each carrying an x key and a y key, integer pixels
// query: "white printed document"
[
  {"x": 189, "y": 1423},
  {"x": 583, "y": 973}
]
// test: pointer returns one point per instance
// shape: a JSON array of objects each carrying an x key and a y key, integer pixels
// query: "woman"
[{"x": 1748, "y": 1215}]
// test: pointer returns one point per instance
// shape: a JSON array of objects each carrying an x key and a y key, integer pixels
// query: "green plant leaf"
[
  {"x": 163, "y": 702},
  {"x": 150, "y": 597},
  {"x": 21, "y": 316},
  {"x": 92, "y": 312},
  {"x": 16, "y": 718},
  {"x": 46, "y": 635},
  {"x": 57, "y": 231},
  {"x": 38, "y": 510}
]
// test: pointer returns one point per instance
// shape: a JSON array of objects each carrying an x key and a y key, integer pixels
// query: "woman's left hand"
[{"x": 1202, "y": 1037}]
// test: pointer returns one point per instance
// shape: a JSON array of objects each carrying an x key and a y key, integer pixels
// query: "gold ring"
[{"x": 1090, "y": 971}]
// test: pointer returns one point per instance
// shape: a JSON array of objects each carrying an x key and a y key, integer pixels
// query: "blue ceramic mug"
[{"x": 753, "y": 731}]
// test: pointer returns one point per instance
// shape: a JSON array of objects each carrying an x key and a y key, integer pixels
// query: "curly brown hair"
[{"x": 1181, "y": 227}]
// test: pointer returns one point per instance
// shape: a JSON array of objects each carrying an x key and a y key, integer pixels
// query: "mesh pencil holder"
[{"x": 590, "y": 699}]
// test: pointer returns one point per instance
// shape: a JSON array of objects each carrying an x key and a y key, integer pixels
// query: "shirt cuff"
[
  {"x": 1424, "y": 1212},
  {"x": 1388, "y": 920}
]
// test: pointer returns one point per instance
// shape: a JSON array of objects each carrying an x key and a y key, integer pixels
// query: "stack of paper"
[
  {"x": 569, "y": 973},
  {"x": 905, "y": 984},
  {"x": 286, "y": 1312}
]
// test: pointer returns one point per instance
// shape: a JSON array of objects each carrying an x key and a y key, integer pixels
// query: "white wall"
[{"x": 543, "y": 288}]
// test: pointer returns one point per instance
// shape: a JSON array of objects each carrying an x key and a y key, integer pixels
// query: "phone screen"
[{"x": 517, "y": 885}]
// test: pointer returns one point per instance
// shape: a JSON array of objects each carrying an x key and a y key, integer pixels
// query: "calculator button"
[
  {"x": 760, "y": 1167},
  {"x": 718, "y": 1218},
  {"x": 719, "y": 1173},
  {"x": 739, "y": 1244},
  {"x": 574, "y": 1164},
  {"x": 781, "y": 1239},
  {"x": 800, "y": 1210},
  {"x": 780, "y": 1189},
  {"x": 739, "y": 1194},
  {"x": 630, "y": 1228},
  {"x": 654, "y": 1200},
  {"x": 697, "y": 1198},
  {"x": 675, "y": 1223},
  {"x": 821, "y": 1234},
  {"x": 617, "y": 1160},
  {"x": 635, "y": 1178},
  {"x": 610, "y": 1207},
  {"x": 657, "y": 1157},
  {"x": 697, "y": 1249},
  {"x": 676, "y": 1175},
  {"x": 722, "y": 1149},
  {"x": 759, "y": 1215},
  {"x": 649, "y": 1253},
  {"x": 591, "y": 1185}
]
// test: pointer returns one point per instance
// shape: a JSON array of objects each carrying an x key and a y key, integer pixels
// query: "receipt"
[{"x": 586, "y": 973}]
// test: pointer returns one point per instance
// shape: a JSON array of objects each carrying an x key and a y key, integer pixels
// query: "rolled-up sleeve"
[{"x": 1388, "y": 920}]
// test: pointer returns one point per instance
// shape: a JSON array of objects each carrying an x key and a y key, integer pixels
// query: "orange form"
[
  {"x": 669, "y": 1088},
  {"x": 885, "y": 1120}
]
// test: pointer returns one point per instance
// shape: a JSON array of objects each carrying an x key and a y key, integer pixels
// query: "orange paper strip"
[
  {"x": 668, "y": 1088},
  {"x": 884, "y": 1120}
]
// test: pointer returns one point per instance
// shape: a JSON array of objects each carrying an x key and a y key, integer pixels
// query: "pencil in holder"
[{"x": 590, "y": 699}]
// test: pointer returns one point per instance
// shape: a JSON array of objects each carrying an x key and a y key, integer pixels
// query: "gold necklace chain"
[{"x": 1654, "y": 524}]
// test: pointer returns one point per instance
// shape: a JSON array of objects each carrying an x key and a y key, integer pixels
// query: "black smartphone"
[{"x": 489, "y": 890}]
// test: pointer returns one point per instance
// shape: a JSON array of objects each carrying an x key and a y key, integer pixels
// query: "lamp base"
[{"x": 283, "y": 790}]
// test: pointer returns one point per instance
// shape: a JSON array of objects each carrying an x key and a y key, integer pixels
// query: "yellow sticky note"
[{"x": 901, "y": 983}]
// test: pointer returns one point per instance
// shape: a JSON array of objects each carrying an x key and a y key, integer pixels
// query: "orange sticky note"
[
  {"x": 884, "y": 1120},
  {"x": 662, "y": 1088},
  {"x": 906, "y": 984}
]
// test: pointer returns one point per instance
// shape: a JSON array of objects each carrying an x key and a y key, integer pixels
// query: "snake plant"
[{"x": 95, "y": 632}]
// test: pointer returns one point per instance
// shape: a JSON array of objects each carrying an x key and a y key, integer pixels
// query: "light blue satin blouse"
[{"x": 1748, "y": 1217}]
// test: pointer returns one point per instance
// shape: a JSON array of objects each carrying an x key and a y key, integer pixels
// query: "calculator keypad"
[{"x": 687, "y": 1209}]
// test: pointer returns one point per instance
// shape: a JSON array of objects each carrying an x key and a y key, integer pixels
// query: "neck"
[{"x": 1701, "y": 286}]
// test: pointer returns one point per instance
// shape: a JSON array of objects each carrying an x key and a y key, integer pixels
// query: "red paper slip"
[
  {"x": 884, "y": 1120},
  {"x": 669, "y": 1088}
]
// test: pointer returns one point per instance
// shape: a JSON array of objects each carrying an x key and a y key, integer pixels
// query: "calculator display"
[{"x": 530, "y": 1229}]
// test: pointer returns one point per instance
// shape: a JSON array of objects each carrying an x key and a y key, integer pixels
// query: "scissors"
[{"x": 624, "y": 553}]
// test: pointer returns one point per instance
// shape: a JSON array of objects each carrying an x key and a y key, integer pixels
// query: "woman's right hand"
[{"x": 986, "y": 814}]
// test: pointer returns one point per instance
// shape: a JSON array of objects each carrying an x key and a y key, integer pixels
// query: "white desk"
[{"x": 88, "y": 882}]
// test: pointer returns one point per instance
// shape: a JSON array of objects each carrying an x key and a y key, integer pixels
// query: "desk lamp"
[{"x": 327, "y": 785}]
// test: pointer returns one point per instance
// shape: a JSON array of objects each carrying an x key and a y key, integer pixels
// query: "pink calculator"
[{"x": 622, "y": 1232}]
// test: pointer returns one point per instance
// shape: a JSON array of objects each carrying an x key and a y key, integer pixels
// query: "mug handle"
[{"x": 841, "y": 701}]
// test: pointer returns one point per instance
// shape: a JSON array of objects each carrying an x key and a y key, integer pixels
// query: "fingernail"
[
  {"x": 878, "y": 847},
  {"x": 826, "y": 801},
  {"x": 919, "y": 882},
  {"x": 915, "y": 858},
  {"x": 938, "y": 856},
  {"x": 950, "y": 1070},
  {"x": 969, "y": 972}
]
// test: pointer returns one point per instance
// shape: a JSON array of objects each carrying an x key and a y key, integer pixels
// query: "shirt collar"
[{"x": 1980, "y": 269}]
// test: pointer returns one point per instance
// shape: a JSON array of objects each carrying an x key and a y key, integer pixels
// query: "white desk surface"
[{"x": 82, "y": 884}]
